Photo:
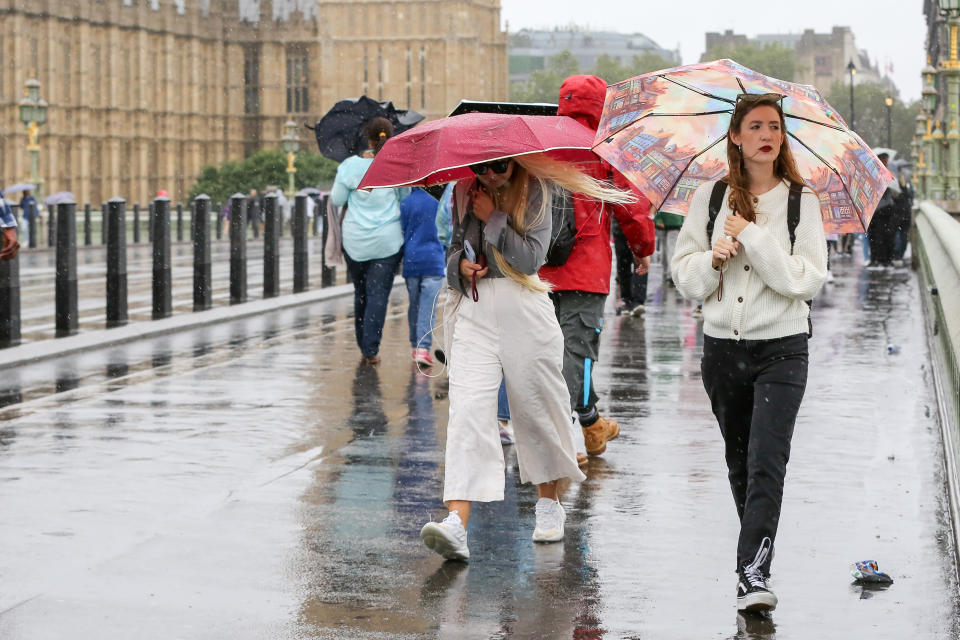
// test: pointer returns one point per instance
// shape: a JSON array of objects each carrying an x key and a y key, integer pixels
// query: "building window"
[
  {"x": 65, "y": 70},
  {"x": 2, "y": 62},
  {"x": 423, "y": 77},
  {"x": 823, "y": 66},
  {"x": 298, "y": 80},
  {"x": 251, "y": 79}
]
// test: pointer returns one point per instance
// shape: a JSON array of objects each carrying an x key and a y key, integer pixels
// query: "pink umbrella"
[{"x": 443, "y": 150}]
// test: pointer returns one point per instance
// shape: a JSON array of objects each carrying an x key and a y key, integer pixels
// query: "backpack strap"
[
  {"x": 793, "y": 211},
  {"x": 716, "y": 201}
]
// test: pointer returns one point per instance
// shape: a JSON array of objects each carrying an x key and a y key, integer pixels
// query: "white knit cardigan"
[{"x": 764, "y": 286}]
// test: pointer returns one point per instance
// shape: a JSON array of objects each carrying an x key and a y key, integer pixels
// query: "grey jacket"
[{"x": 526, "y": 253}]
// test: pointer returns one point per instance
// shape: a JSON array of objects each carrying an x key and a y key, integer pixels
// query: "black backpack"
[
  {"x": 563, "y": 234},
  {"x": 793, "y": 219}
]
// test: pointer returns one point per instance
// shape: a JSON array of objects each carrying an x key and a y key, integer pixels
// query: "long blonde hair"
[{"x": 549, "y": 174}]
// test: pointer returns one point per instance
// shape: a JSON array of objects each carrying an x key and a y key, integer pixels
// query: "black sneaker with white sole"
[{"x": 753, "y": 594}]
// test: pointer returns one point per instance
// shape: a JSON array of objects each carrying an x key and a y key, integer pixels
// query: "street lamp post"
[
  {"x": 852, "y": 70},
  {"x": 927, "y": 149},
  {"x": 889, "y": 101},
  {"x": 33, "y": 113},
  {"x": 291, "y": 144}
]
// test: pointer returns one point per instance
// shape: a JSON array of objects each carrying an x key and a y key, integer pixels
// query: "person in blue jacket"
[
  {"x": 424, "y": 258},
  {"x": 372, "y": 240}
]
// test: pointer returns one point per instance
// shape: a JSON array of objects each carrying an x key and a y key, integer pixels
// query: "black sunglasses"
[{"x": 497, "y": 166}]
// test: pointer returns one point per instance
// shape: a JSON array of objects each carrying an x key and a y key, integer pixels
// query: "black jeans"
[
  {"x": 755, "y": 388},
  {"x": 372, "y": 282},
  {"x": 633, "y": 287}
]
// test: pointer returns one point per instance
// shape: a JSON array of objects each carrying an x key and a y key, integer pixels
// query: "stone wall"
[{"x": 144, "y": 93}]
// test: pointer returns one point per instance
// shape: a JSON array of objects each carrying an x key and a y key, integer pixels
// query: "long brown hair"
[
  {"x": 378, "y": 131},
  {"x": 512, "y": 198},
  {"x": 784, "y": 167}
]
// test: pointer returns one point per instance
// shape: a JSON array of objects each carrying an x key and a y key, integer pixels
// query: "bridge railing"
[
  {"x": 66, "y": 226},
  {"x": 937, "y": 257}
]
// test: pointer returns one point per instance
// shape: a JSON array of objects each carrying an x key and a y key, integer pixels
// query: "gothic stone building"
[{"x": 144, "y": 93}]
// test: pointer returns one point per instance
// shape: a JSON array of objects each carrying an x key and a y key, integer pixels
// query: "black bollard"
[
  {"x": 179, "y": 222},
  {"x": 51, "y": 227},
  {"x": 32, "y": 227},
  {"x": 162, "y": 277},
  {"x": 136, "y": 223},
  {"x": 271, "y": 248},
  {"x": 200, "y": 230},
  {"x": 238, "y": 249},
  {"x": 66, "y": 285},
  {"x": 87, "y": 227},
  {"x": 301, "y": 264},
  {"x": 103, "y": 223},
  {"x": 115, "y": 224},
  {"x": 10, "y": 302},
  {"x": 328, "y": 274}
]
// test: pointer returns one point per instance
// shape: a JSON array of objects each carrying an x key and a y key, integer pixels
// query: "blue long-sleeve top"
[
  {"x": 423, "y": 254},
  {"x": 371, "y": 226}
]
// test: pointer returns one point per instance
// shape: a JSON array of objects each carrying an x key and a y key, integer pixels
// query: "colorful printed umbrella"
[
  {"x": 666, "y": 131},
  {"x": 443, "y": 150}
]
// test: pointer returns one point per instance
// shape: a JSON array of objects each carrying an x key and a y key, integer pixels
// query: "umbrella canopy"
[
  {"x": 443, "y": 150},
  {"x": 21, "y": 186},
  {"x": 340, "y": 132},
  {"x": 57, "y": 198},
  {"x": 666, "y": 131},
  {"x": 517, "y": 108}
]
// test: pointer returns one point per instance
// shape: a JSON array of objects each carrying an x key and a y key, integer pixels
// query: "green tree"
[
  {"x": 263, "y": 168},
  {"x": 544, "y": 86},
  {"x": 647, "y": 62},
  {"x": 772, "y": 59},
  {"x": 870, "y": 110}
]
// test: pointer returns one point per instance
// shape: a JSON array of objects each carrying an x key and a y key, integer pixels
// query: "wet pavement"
[{"x": 253, "y": 480}]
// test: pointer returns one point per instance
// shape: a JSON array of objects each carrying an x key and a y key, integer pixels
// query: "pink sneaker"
[{"x": 422, "y": 356}]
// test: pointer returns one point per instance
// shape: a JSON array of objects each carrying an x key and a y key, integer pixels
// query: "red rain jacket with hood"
[{"x": 588, "y": 267}]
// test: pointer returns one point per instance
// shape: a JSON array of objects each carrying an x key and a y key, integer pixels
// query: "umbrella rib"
[
  {"x": 680, "y": 175},
  {"x": 743, "y": 89},
  {"x": 822, "y": 124},
  {"x": 834, "y": 169},
  {"x": 695, "y": 90}
]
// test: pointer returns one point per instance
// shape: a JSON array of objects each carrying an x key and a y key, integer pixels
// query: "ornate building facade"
[{"x": 144, "y": 93}]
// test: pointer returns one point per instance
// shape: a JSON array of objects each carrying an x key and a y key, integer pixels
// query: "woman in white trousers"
[{"x": 506, "y": 328}]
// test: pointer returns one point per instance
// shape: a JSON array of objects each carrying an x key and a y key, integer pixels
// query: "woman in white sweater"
[{"x": 755, "y": 280}]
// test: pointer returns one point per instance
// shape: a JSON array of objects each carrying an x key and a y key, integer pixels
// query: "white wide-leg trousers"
[{"x": 511, "y": 332}]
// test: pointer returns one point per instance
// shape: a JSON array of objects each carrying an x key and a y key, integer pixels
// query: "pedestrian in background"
[
  {"x": 8, "y": 232},
  {"x": 423, "y": 264},
  {"x": 754, "y": 280},
  {"x": 372, "y": 238},
  {"x": 580, "y": 284},
  {"x": 903, "y": 213},
  {"x": 883, "y": 225},
  {"x": 28, "y": 212},
  {"x": 506, "y": 328}
]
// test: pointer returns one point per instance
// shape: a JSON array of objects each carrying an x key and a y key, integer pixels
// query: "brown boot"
[{"x": 599, "y": 433}]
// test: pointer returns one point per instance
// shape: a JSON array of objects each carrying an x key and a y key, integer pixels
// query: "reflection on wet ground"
[{"x": 253, "y": 480}]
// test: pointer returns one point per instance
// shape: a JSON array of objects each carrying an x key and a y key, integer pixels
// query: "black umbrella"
[
  {"x": 511, "y": 108},
  {"x": 340, "y": 132}
]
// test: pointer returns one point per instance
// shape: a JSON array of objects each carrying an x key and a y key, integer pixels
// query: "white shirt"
[{"x": 764, "y": 286}]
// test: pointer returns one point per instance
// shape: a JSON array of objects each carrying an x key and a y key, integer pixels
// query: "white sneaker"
[
  {"x": 550, "y": 519},
  {"x": 448, "y": 538}
]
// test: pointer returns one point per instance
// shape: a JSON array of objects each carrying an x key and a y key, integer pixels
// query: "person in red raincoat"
[{"x": 582, "y": 283}]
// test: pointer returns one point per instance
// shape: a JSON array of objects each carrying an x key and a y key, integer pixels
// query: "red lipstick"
[{"x": 766, "y": 148}]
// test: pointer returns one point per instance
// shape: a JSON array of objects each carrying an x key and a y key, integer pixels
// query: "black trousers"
[
  {"x": 755, "y": 388},
  {"x": 633, "y": 287},
  {"x": 882, "y": 229}
]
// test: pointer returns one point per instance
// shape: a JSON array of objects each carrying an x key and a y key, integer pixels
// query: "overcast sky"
[{"x": 892, "y": 31}]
